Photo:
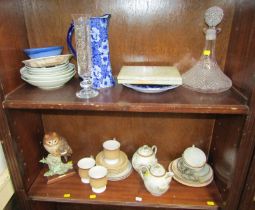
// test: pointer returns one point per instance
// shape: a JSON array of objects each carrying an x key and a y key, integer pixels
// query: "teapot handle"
[
  {"x": 69, "y": 39},
  {"x": 143, "y": 170},
  {"x": 154, "y": 149}
]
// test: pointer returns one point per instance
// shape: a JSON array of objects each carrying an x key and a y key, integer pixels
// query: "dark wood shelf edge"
[
  {"x": 170, "y": 108},
  {"x": 121, "y": 99},
  {"x": 131, "y": 204}
]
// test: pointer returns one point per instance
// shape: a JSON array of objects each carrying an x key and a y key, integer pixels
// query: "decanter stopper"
[
  {"x": 213, "y": 16},
  {"x": 206, "y": 76}
]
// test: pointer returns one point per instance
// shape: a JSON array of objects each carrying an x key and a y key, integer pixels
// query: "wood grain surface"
[
  {"x": 171, "y": 133},
  {"x": 152, "y": 32},
  {"x": 123, "y": 193},
  {"x": 120, "y": 98},
  {"x": 13, "y": 39}
]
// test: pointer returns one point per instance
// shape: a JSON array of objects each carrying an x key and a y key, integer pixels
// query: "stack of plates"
[
  {"x": 189, "y": 177},
  {"x": 119, "y": 171},
  {"x": 47, "y": 77}
]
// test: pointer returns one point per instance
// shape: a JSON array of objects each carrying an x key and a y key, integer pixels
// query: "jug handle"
[{"x": 69, "y": 39}]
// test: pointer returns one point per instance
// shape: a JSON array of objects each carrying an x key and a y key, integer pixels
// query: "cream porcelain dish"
[
  {"x": 53, "y": 70},
  {"x": 50, "y": 84},
  {"x": 47, "y": 77},
  {"x": 48, "y": 61}
]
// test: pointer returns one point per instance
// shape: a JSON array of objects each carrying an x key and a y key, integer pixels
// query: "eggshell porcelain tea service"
[
  {"x": 144, "y": 156},
  {"x": 115, "y": 160},
  {"x": 156, "y": 179},
  {"x": 191, "y": 169}
]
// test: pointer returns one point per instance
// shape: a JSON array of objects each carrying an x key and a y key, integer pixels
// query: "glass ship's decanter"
[{"x": 206, "y": 76}]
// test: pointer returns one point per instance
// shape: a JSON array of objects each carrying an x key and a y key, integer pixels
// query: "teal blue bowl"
[{"x": 43, "y": 52}]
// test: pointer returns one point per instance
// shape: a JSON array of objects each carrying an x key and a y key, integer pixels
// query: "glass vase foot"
[{"x": 91, "y": 93}]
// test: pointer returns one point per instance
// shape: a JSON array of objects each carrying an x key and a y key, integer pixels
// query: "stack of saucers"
[
  {"x": 115, "y": 160},
  {"x": 191, "y": 169},
  {"x": 47, "y": 77}
]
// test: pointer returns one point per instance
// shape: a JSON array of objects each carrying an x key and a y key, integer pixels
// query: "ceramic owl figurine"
[{"x": 56, "y": 145}]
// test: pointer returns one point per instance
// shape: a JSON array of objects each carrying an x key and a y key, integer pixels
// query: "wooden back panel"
[
  {"x": 152, "y": 32},
  {"x": 171, "y": 133}
]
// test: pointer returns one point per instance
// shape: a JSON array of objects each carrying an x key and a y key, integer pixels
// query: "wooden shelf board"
[
  {"x": 120, "y": 98},
  {"x": 123, "y": 193}
]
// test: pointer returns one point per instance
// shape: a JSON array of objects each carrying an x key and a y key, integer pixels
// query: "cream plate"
[
  {"x": 122, "y": 175},
  {"x": 25, "y": 74},
  {"x": 47, "y": 85},
  {"x": 201, "y": 179},
  {"x": 51, "y": 70},
  {"x": 48, "y": 61}
]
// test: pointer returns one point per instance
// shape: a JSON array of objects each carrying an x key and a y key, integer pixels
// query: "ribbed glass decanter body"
[{"x": 206, "y": 76}]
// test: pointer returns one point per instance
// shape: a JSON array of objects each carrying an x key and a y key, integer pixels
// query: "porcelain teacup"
[
  {"x": 98, "y": 179},
  {"x": 84, "y": 165},
  {"x": 111, "y": 151}
]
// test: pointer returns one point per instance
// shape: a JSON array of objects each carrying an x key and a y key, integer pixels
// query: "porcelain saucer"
[
  {"x": 151, "y": 88},
  {"x": 186, "y": 177},
  {"x": 122, "y": 175},
  {"x": 117, "y": 168}
]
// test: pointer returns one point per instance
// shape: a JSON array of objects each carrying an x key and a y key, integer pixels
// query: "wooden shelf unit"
[{"x": 141, "y": 32}]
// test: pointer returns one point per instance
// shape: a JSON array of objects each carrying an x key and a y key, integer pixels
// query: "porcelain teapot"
[
  {"x": 156, "y": 179},
  {"x": 144, "y": 156}
]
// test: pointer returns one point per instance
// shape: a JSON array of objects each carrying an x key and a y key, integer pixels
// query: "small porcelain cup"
[
  {"x": 111, "y": 151},
  {"x": 84, "y": 165},
  {"x": 98, "y": 179}
]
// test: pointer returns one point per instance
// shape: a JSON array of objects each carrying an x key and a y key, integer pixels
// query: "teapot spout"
[{"x": 169, "y": 176}]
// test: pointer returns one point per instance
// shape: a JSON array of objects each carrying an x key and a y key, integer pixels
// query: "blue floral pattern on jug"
[{"x": 102, "y": 72}]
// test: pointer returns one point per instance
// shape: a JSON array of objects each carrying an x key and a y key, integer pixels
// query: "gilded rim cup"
[
  {"x": 111, "y": 151},
  {"x": 84, "y": 165},
  {"x": 98, "y": 179}
]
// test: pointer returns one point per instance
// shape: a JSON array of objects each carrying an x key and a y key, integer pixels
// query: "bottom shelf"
[{"x": 123, "y": 193}]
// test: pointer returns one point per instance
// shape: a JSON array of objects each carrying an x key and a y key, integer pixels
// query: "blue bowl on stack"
[{"x": 43, "y": 52}]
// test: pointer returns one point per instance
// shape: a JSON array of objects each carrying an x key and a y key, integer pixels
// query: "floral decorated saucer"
[{"x": 151, "y": 88}]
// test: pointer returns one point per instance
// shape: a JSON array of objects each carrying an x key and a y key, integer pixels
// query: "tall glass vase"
[{"x": 83, "y": 50}]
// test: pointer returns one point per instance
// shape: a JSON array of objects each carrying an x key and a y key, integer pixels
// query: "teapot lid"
[
  {"x": 157, "y": 170},
  {"x": 194, "y": 157},
  {"x": 145, "y": 151}
]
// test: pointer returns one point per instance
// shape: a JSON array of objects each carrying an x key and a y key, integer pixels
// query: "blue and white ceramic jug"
[{"x": 101, "y": 65}]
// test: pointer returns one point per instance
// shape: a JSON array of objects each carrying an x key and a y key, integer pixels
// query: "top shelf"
[{"x": 120, "y": 98}]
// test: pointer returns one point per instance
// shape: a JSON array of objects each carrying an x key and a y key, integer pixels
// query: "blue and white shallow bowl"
[{"x": 151, "y": 88}]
